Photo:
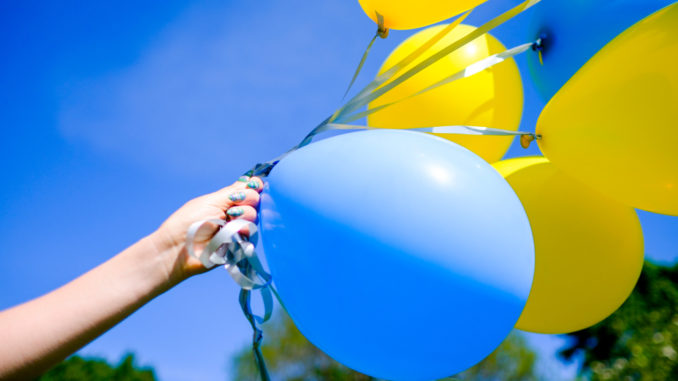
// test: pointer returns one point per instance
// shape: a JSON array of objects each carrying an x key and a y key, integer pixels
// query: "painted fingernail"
[
  {"x": 235, "y": 212},
  {"x": 237, "y": 196},
  {"x": 253, "y": 184},
  {"x": 243, "y": 179}
]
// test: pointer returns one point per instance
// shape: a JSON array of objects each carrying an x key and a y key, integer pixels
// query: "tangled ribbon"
[{"x": 235, "y": 251}]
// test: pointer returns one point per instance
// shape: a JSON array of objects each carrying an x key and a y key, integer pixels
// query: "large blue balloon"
[
  {"x": 400, "y": 254},
  {"x": 575, "y": 30}
]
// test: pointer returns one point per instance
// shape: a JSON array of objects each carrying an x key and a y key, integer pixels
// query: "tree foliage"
[
  {"x": 512, "y": 361},
  {"x": 77, "y": 368},
  {"x": 290, "y": 357},
  {"x": 640, "y": 340}
]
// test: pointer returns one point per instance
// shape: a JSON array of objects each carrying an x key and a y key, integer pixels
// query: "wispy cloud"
[{"x": 221, "y": 88}]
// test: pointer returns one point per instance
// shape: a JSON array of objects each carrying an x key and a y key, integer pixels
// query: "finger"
[
  {"x": 244, "y": 212},
  {"x": 243, "y": 197},
  {"x": 245, "y": 182},
  {"x": 241, "y": 183},
  {"x": 232, "y": 196},
  {"x": 205, "y": 232},
  {"x": 222, "y": 197},
  {"x": 254, "y": 183},
  {"x": 245, "y": 232}
]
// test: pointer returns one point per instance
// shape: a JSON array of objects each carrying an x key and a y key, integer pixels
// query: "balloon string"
[
  {"x": 368, "y": 93},
  {"x": 360, "y": 65},
  {"x": 456, "y": 130},
  {"x": 371, "y": 92},
  {"x": 236, "y": 252},
  {"x": 381, "y": 32},
  {"x": 263, "y": 169},
  {"x": 399, "y": 66},
  {"x": 257, "y": 335},
  {"x": 468, "y": 71}
]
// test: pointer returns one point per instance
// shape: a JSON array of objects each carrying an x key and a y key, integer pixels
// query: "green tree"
[
  {"x": 290, "y": 357},
  {"x": 512, "y": 361},
  {"x": 77, "y": 368},
  {"x": 640, "y": 340}
]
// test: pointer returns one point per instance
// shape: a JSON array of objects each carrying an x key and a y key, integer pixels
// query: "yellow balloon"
[
  {"x": 614, "y": 125},
  {"x": 408, "y": 14},
  {"x": 588, "y": 248},
  {"x": 492, "y": 98}
]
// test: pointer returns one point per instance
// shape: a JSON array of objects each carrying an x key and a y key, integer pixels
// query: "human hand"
[{"x": 237, "y": 201}]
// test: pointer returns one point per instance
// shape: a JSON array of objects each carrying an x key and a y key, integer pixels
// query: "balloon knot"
[
  {"x": 538, "y": 46},
  {"x": 382, "y": 31},
  {"x": 526, "y": 139}
]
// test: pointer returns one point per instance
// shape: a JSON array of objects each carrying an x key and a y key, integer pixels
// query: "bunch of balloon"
[
  {"x": 588, "y": 248},
  {"x": 572, "y": 31},
  {"x": 400, "y": 254},
  {"x": 613, "y": 124},
  {"x": 408, "y": 14},
  {"x": 491, "y": 98}
]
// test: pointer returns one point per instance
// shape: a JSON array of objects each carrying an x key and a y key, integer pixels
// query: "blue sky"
[{"x": 114, "y": 114}]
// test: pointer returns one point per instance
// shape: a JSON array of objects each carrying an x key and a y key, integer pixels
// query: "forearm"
[{"x": 38, "y": 334}]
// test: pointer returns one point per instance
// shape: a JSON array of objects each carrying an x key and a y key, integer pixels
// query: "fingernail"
[
  {"x": 243, "y": 179},
  {"x": 253, "y": 184},
  {"x": 237, "y": 196},
  {"x": 235, "y": 212}
]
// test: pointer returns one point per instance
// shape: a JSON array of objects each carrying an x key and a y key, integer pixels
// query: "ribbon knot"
[
  {"x": 232, "y": 249},
  {"x": 382, "y": 31}
]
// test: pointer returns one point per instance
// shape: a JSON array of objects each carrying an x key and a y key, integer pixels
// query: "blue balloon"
[
  {"x": 575, "y": 30},
  {"x": 400, "y": 254}
]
